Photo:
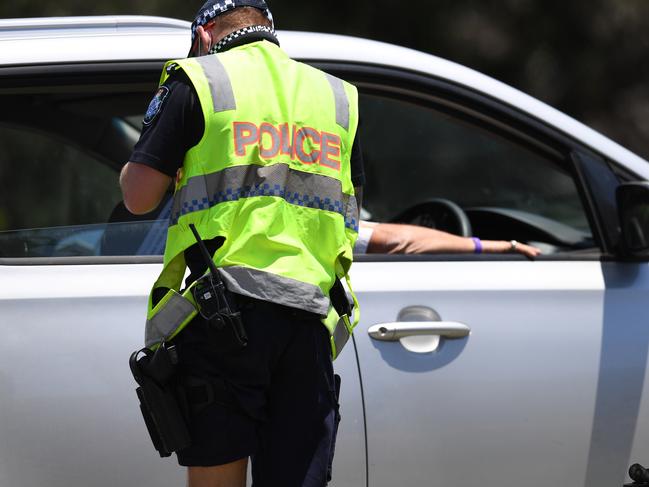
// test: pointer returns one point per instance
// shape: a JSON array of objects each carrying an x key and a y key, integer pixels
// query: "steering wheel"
[{"x": 437, "y": 213}]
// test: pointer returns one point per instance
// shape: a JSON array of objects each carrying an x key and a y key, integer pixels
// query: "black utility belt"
[{"x": 248, "y": 302}]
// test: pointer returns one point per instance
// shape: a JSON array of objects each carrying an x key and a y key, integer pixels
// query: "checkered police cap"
[{"x": 213, "y": 8}]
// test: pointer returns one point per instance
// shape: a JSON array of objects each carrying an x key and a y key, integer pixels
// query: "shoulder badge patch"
[{"x": 156, "y": 105}]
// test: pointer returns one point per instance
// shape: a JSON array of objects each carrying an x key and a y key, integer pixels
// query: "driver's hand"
[{"x": 502, "y": 247}]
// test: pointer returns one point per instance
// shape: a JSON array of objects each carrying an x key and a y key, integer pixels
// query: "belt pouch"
[{"x": 159, "y": 402}]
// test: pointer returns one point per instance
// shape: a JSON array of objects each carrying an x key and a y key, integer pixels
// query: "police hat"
[{"x": 213, "y": 8}]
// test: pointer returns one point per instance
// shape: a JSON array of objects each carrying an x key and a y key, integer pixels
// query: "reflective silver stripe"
[
  {"x": 233, "y": 183},
  {"x": 276, "y": 289},
  {"x": 351, "y": 215},
  {"x": 173, "y": 314},
  {"x": 194, "y": 196},
  {"x": 341, "y": 335},
  {"x": 219, "y": 83},
  {"x": 342, "y": 102}
]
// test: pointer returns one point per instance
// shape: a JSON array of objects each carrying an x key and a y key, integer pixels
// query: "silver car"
[{"x": 466, "y": 370}]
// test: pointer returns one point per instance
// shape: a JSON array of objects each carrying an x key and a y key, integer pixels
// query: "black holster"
[{"x": 161, "y": 398}]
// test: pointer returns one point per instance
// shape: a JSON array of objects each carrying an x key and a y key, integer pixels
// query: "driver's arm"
[{"x": 395, "y": 238}]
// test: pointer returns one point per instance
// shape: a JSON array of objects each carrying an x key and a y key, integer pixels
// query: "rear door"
[{"x": 514, "y": 372}]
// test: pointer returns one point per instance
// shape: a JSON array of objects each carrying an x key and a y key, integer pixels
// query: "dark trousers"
[{"x": 279, "y": 404}]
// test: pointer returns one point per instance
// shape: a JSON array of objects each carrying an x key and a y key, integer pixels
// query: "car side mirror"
[{"x": 633, "y": 212}]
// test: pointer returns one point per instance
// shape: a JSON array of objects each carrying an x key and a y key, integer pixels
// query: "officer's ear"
[{"x": 203, "y": 41}]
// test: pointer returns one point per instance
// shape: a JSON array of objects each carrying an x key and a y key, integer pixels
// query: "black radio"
[{"x": 216, "y": 304}]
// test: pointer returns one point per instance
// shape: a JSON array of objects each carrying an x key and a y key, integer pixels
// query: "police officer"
[{"x": 268, "y": 168}]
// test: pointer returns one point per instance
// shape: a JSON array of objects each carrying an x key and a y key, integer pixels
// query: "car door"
[
  {"x": 75, "y": 272},
  {"x": 509, "y": 371}
]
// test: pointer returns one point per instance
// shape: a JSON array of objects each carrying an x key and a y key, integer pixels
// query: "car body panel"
[
  {"x": 517, "y": 398},
  {"x": 548, "y": 389},
  {"x": 65, "y": 385}
]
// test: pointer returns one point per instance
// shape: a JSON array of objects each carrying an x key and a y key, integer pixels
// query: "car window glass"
[
  {"x": 59, "y": 192},
  {"x": 47, "y": 182},
  {"x": 414, "y": 153},
  {"x": 59, "y": 176}
]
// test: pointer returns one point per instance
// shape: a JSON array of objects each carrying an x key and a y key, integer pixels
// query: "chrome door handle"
[{"x": 391, "y": 332}]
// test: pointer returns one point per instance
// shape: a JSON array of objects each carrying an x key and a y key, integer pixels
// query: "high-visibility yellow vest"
[{"x": 271, "y": 175}]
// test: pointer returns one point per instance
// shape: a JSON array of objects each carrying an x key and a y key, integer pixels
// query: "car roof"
[{"x": 38, "y": 41}]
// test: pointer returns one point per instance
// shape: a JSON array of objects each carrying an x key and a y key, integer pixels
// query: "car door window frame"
[{"x": 600, "y": 182}]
